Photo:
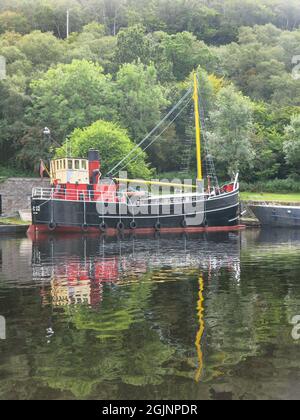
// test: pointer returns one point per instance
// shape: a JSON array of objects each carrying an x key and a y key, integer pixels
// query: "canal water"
[{"x": 183, "y": 317}]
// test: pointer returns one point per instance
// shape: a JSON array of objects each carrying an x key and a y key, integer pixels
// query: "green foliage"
[
  {"x": 232, "y": 121},
  {"x": 132, "y": 44},
  {"x": 186, "y": 53},
  {"x": 113, "y": 144},
  {"x": 126, "y": 61},
  {"x": 280, "y": 186},
  {"x": 12, "y": 107},
  {"x": 13, "y": 22},
  {"x": 139, "y": 111},
  {"x": 41, "y": 49},
  {"x": 292, "y": 143},
  {"x": 261, "y": 64},
  {"x": 7, "y": 172},
  {"x": 268, "y": 142},
  {"x": 92, "y": 44},
  {"x": 69, "y": 96},
  {"x": 247, "y": 12}
]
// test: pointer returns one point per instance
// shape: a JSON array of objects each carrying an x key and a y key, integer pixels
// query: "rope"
[
  {"x": 157, "y": 137},
  {"x": 152, "y": 131}
]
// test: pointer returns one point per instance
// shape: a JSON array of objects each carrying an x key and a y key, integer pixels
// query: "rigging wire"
[
  {"x": 189, "y": 91},
  {"x": 157, "y": 137}
]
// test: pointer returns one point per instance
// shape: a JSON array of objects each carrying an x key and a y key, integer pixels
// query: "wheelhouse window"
[
  {"x": 77, "y": 165},
  {"x": 83, "y": 164},
  {"x": 70, "y": 164}
]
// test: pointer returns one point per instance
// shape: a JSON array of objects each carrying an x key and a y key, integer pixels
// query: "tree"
[
  {"x": 50, "y": 15},
  {"x": 232, "y": 122},
  {"x": 268, "y": 143},
  {"x": 252, "y": 44},
  {"x": 41, "y": 49},
  {"x": 132, "y": 45},
  {"x": 113, "y": 144},
  {"x": 70, "y": 96},
  {"x": 247, "y": 12},
  {"x": 13, "y": 22},
  {"x": 12, "y": 105},
  {"x": 140, "y": 98},
  {"x": 287, "y": 13},
  {"x": 145, "y": 12},
  {"x": 92, "y": 44},
  {"x": 186, "y": 53},
  {"x": 286, "y": 91},
  {"x": 160, "y": 58},
  {"x": 292, "y": 143}
]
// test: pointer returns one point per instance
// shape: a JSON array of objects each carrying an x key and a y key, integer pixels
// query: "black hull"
[
  {"x": 52, "y": 214},
  {"x": 277, "y": 216}
]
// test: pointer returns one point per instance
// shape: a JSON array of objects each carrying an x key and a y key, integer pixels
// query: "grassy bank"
[
  {"x": 12, "y": 221},
  {"x": 282, "y": 198}
]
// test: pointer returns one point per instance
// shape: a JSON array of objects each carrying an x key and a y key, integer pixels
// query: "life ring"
[
  {"x": 120, "y": 226},
  {"x": 133, "y": 225},
  {"x": 52, "y": 226},
  {"x": 157, "y": 226},
  {"x": 103, "y": 227},
  {"x": 84, "y": 227},
  {"x": 184, "y": 223}
]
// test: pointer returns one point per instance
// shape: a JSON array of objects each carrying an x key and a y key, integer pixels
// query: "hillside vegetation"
[{"x": 126, "y": 62}]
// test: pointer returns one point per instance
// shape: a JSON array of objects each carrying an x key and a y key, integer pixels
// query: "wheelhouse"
[{"x": 69, "y": 171}]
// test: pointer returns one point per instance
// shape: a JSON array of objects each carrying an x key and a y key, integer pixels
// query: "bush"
[
  {"x": 6, "y": 172},
  {"x": 113, "y": 144},
  {"x": 280, "y": 186}
]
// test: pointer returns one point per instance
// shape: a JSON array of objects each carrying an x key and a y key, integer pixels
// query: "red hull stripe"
[{"x": 141, "y": 231}]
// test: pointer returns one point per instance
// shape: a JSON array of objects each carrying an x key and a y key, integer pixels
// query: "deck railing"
[
  {"x": 77, "y": 194},
  {"x": 71, "y": 194},
  {"x": 113, "y": 197}
]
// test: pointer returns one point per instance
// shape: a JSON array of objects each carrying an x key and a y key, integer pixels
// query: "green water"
[{"x": 201, "y": 317}]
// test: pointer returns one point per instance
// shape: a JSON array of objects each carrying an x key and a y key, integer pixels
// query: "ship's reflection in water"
[
  {"x": 197, "y": 317},
  {"x": 78, "y": 267},
  {"x": 95, "y": 262}
]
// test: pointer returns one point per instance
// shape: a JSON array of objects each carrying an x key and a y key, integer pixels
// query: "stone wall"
[{"x": 16, "y": 193}]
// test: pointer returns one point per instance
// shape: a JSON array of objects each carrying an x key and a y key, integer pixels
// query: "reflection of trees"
[
  {"x": 248, "y": 336},
  {"x": 121, "y": 346},
  {"x": 247, "y": 325},
  {"x": 141, "y": 340},
  {"x": 15, "y": 370},
  {"x": 128, "y": 306}
]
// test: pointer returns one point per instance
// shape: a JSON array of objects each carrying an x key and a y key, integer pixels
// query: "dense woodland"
[{"x": 124, "y": 65}]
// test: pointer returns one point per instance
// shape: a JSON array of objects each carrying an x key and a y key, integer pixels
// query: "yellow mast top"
[{"x": 198, "y": 132}]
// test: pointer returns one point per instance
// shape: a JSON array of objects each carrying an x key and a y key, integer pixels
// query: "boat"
[
  {"x": 276, "y": 215},
  {"x": 81, "y": 199}
]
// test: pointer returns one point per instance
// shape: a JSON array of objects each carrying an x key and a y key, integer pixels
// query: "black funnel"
[{"x": 93, "y": 155}]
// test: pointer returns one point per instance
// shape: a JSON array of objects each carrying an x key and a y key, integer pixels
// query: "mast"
[{"x": 198, "y": 132}]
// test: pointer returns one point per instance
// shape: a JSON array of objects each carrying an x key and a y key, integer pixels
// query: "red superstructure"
[{"x": 80, "y": 180}]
